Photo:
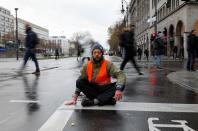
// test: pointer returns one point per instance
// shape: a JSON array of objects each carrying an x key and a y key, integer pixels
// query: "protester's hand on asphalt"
[
  {"x": 71, "y": 102},
  {"x": 118, "y": 95}
]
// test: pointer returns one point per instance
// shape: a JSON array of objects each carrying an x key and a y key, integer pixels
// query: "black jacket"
[
  {"x": 159, "y": 46},
  {"x": 192, "y": 43},
  {"x": 127, "y": 41},
  {"x": 31, "y": 39}
]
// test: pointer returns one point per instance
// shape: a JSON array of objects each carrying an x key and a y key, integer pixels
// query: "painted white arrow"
[{"x": 181, "y": 124}]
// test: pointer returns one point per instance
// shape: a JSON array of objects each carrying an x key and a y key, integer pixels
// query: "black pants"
[
  {"x": 93, "y": 91},
  {"x": 57, "y": 56},
  {"x": 31, "y": 54},
  {"x": 129, "y": 58},
  {"x": 191, "y": 60}
]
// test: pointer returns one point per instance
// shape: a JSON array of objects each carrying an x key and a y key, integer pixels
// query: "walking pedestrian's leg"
[
  {"x": 25, "y": 59},
  {"x": 33, "y": 56},
  {"x": 124, "y": 62},
  {"x": 135, "y": 65},
  {"x": 189, "y": 61},
  {"x": 193, "y": 61},
  {"x": 160, "y": 61}
]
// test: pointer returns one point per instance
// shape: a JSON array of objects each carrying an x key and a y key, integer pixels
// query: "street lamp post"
[
  {"x": 123, "y": 10},
  {"x": 155, "y": 23},
  {"x": 17, "y": 44}
]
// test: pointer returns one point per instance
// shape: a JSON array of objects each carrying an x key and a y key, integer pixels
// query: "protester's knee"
[{"x": 80, "y": 82}]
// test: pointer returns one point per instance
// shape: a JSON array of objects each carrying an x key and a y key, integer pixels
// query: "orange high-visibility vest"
[{"x": 102, "y": 78}]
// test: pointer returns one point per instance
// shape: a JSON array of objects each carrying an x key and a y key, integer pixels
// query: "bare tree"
[{"x": 114, "y": 33}]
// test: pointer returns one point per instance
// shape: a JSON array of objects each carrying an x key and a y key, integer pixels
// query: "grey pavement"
[
  {"x": 31, "y": 103},
  {"x": 185, "y": 79}
]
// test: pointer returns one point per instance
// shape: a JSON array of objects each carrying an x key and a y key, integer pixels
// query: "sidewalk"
[
  {"x": 178, "y": 75},
  {"x": 185, "y": 79},
  {"x": 9, "y": 67}
]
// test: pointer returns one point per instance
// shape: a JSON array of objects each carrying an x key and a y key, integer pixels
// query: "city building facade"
[
  {"x": 61, "y": 43},
  {"x": 43, "y": 33},
  {"x": 138, "y": 15},
  {"x": 174, "y": 18},
  {"x": 141, "y": 24},
  {"x": 6, "y": 24}
]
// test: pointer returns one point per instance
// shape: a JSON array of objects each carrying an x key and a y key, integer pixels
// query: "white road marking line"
[
  {"x": 176, "y": 124},
  {"x": 62, "y": 115},
  {"x": 24, "y": 101},
  {"x": 57, "y": 121},
  {"x": 133, "y": 106}
]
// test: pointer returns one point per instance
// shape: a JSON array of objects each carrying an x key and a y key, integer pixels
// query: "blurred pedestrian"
[
  {"x": 31, "y": 41},
  {"x": 139, "y": 51},
  {"x": 95, "y": 81},
  {"x": 146, "y": 53},
  {"x": 126, "y": 40},
  {"x": 78, "y": 51},
  {"x": 56, "y": 54},
  {"x": 175, "y": 49},
  {"x": 86, "y": 55},
  {"x": 159, "y": 50},
  {"x": 191, "y": 49},
  {"x": 182, "y": 52}
]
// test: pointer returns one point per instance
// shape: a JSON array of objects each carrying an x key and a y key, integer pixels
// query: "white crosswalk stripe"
[{"x": 61, "y": 116}]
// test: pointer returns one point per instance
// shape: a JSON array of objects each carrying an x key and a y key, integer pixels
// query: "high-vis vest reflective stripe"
[{"x": 102, "y": 78}]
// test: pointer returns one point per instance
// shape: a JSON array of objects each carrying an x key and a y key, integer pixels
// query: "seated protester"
[{"x": 95, "y": 81}]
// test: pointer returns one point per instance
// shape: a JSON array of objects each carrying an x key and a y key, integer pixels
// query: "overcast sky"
[{"x": 65, "y": 17}]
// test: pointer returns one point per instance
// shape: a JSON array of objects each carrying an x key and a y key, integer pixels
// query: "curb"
[{"x": 178, "y": 79}]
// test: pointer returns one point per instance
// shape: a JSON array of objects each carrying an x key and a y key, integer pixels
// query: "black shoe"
[
  {"x": 112, "y": 101},
  {"x": 140, "y": 73},
  {"x": 193, "y": 70},
  {"x": 36, "y": 73},
  {"x": 87, "y": 102},
  {"x": 160, "y": 68}
]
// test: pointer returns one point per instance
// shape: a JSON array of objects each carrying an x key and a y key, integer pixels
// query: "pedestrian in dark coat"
[
  {"x": 127, "y": 40},
  {"x": 139, "y": 51},
  {"x": 31, "y": 41},
  {"x": 159, "y": 50},
  {"x": 175, "y": 49},
  {"x": 146, "y": 52},
  {"x": 56, "y": 54},
  {"x": 191, "y": 49}
]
